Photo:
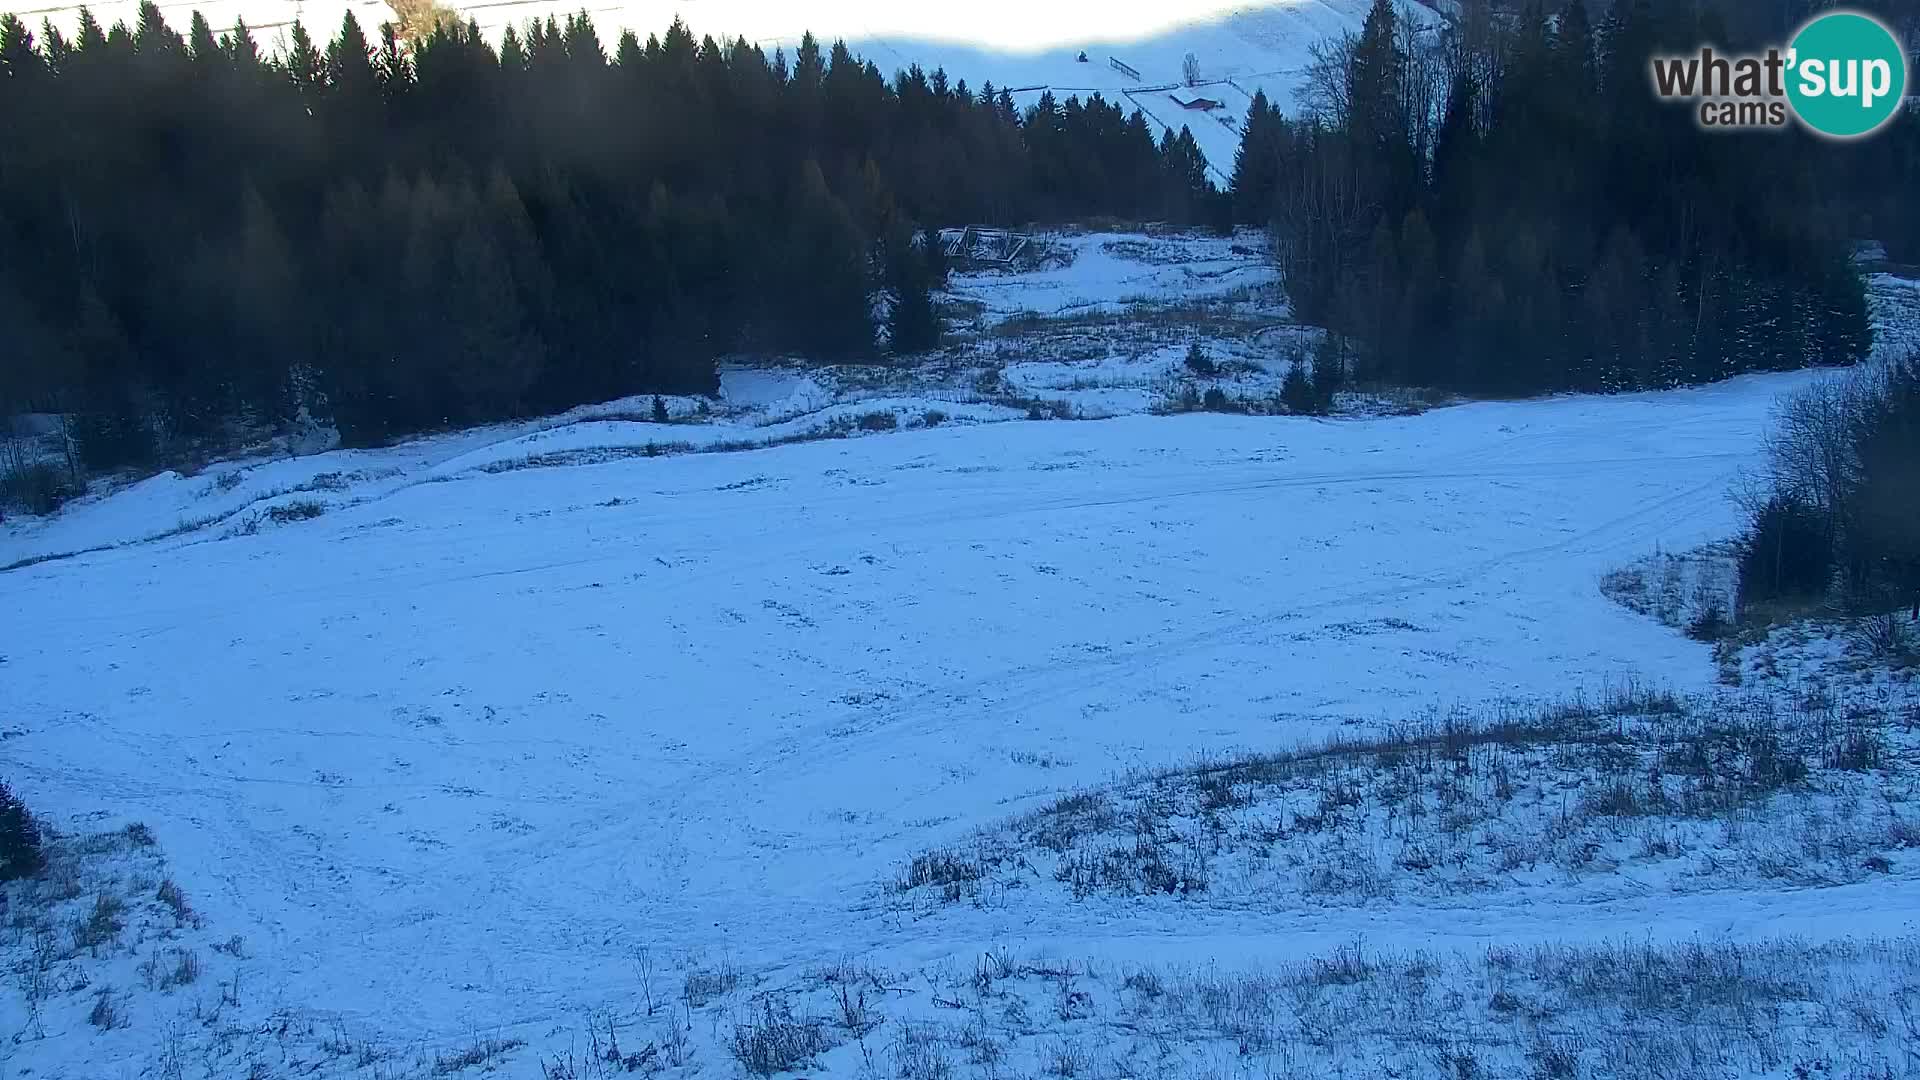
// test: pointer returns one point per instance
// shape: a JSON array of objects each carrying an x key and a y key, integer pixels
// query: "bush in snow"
[
  {"x": 1200, "y": 363},
  {"x": 1187, "y": 400},
  {"x": 1704, "y": 790},
  {"x": 102, "y": 923},
  {"x": 1888, "y": 636},
  {"x": 773, "y": 1040},
  {"x": 298, "y": 510},
  {"x": 1709, "y": 621},
  {"x": 1835, "y": 516},
  {"x": 912, "y": 324},
  {"x": 40, "y": 488},
  {"x": 106, "y": 1013},
  {"x": 1787, "y": 555},
  {"x": 483, "y": 1054},
  {"x": 1299, "y": 393}
]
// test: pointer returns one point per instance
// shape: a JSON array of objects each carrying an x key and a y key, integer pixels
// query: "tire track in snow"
[
  {"x": 708, "y": 804},
  {"x": 719, "y": 805}
]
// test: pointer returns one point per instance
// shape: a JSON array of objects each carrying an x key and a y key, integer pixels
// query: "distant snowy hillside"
[
  {"x": 1135, "y": 53},
  {"x": 1241, "y": 50}
]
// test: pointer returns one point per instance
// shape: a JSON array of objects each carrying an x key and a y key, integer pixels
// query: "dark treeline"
[
  {"x": 1834, "y": 515},
  {"x": 1505, "y": 207},
  {"x": 197, "y": 238}
]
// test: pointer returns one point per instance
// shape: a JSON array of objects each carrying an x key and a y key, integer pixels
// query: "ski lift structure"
[{"x": 981, "y": 247}]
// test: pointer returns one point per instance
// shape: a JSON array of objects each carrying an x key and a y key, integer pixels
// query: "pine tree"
[
  {"x": 912, "y": 325},
  {"x": 393, "y": 69},
  {"x": 1375, "y": 71},
  {"x": 1575, "y": 54},
  {"x": 201, "y": 45},
  {"x": 152, "y": 36},
  {"x": 354, "y": 95},
  {"x": 112, "y": 430},
  {"x": 242, "y": 52},
  {"x": 191, "y": 235},
  {"x": 1199, "y": 363},
  {"x": 21, "y": 851},
  {"x": 270, "y": 318},
  {"x": 935, "y": 252},
  {"x": 1184, "y": 171},
  {"x": 829, "y": 313},
  {"x": 349, "y": 67},
  {"x": 513, "y": 55},
  {"x": 305, "y": 66},
  {"x": 808, "y": 68},
  {"x": 1882, "y": 531},
  {"x": 89, "y": 35},
  {"x": 19, "y": 59},
  {"x": 1455, "y": 152},
  {"x": 1297, "y": 392},
  {"x": 58, "y": 50},
  {"x": 1257, "y": 164}
]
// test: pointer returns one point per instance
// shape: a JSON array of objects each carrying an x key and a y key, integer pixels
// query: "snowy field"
[
  {"x": 874, "y": 722},
  {"x": 1106, "y": 272},
  {"x": 472, "y": 761},
  {"x": 1099, "y": 329}
]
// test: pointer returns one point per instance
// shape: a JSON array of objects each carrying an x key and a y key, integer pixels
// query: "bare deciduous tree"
[
  {"x": 1323, "y": 93},
  {"x": 1842, "y": 450},
  {"x": 1811, "y": 455},
  {"x": 415, "y": 20}
]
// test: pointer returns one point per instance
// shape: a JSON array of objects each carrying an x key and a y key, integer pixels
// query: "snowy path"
[{"x": 509, "y": 730}]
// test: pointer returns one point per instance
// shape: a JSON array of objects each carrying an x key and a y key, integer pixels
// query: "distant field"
[{"x": 882, "y": 722}]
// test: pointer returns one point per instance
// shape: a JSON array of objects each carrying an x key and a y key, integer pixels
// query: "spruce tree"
[
  {"x": 89, "y": 35},
  {"x": 19, "y": 58},
  {"x": 1455, "y": 152},
  {"x": 1257, "y": 163},
  {"x": 305, "y": 66},
  {"x": 912, "y": 325},
  {"x": 201, "y": 45},
  {"x": 829, "y": 311},
  {"x": 21, "y": 844},
  {"x": 1296, "y": 390},
  {"x": 191, "y": 231}
]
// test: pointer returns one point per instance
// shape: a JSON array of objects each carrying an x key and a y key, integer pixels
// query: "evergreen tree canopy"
[
  {"x": 410, "y": 229},
  {"x": 1508, "y": 209}
]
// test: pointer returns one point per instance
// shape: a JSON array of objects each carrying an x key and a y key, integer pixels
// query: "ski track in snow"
[{"x": 447, "y": 756}]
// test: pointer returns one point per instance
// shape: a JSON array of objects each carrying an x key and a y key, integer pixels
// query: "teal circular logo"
[{"x": 1848, "y": 74}]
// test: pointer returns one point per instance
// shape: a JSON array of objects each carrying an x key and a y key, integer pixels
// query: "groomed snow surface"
[
  {"x": 462, "y": 761},
  {"x": 564, "y": 749}
]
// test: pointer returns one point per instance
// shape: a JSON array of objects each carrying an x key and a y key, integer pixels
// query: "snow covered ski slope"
[{"x": 450, "y": 759}]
